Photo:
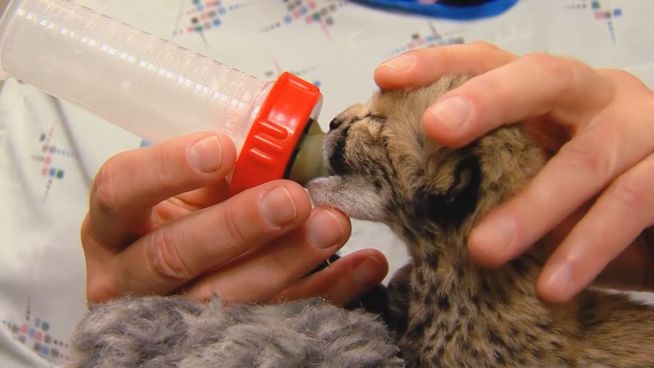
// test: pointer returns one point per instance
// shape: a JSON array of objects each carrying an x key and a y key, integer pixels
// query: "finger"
[
  {"x": 424, "y": 66},
  {"x": 100, "y": 279},
  {"x": 535, "y": 85},
  {"x": 613, "y": 223},
  {"x": 206, "y": 196},
  {"x": 259, "y": 276},
  {"x": 179, "y": 250},
  {"x": 131, "y": 183},
  {"x": 343, "y": 280},
  {"x": 583, "y": 167},
  {"x": 191, "y": 201}
]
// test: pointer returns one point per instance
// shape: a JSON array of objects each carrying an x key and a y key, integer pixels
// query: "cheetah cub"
[{"x": 448, "y": 312}]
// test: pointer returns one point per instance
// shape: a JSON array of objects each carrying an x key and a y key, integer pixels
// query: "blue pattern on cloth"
[{"x": 442, "y": 9}]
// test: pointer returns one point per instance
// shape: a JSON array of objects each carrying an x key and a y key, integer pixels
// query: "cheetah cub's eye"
[
  {"x": 375, "y": 123},
  {"x": 377, "y": 118}
]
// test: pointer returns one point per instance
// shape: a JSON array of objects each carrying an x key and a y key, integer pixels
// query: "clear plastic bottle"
[{"x": 157, "y": 89}]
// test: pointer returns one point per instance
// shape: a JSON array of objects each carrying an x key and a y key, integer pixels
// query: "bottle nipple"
[{"x": 308, "y": 161}]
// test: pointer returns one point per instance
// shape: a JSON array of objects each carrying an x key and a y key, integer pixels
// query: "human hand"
[
  {"x": 595, "y": 191},
  {"x": 160, "y": 222}
]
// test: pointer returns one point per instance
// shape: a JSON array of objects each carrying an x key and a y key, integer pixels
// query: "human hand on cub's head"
[
  {"x": 160, "y": 221},
  {"x": 595, "y": 191}
]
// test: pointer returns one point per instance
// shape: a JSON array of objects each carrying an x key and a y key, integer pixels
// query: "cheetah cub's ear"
[{"x": 377, "y": 155}]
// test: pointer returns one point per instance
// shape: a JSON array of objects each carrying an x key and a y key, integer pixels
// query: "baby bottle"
[{"x": 157, "y": 89}]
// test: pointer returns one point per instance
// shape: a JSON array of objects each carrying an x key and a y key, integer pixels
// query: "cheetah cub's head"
[{"x": 384, "y": 168}]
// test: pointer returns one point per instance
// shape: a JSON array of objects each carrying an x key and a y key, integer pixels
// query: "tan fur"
[{"x": 448, "y": 311}]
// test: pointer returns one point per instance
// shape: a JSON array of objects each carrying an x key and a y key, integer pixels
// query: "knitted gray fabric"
[{"x": 151, "y": 332}]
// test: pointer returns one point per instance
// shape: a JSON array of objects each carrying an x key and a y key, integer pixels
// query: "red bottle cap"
[{"x": 275, "y": 133}]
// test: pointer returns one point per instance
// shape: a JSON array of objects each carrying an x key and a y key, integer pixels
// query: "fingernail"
[
  {"x": 277, "y": 207},
  {"x": 557, "y": 282},
  {"x": 495, "y": 235},
  {"x": 399, "y": 63},
  {"x": 324, "y": 229},
  {"x": 451, "y": 112},
  {"x": 206, "y": 155},
  {"x": 366, "y": 273}
]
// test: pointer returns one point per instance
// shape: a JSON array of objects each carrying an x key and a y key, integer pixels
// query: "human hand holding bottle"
[{"x": 160, "y": 221}]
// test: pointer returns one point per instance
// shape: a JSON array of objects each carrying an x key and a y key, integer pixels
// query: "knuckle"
[
  {"x": 481, "y": 86},
  {"x": 167, "y": 263},
  {"x": 486, "y": 97},
  {"x": 484, "y": 45},
  {"x": 624, "y": 75},
  {"x": 86, "y": 231},
  {"x": 585, "y": 159},
  {"x": 95, "y": 295},
  {"x": 627, "y": 82},
  {"x": 104, "y": 197},
  {"x": 233, "y": 232},
  {"x": 629, "y": 193},
  {"x": 164, "y": 173},
  {"x": 561, "y": 68},
  {"x": 100, "y": 290},
  {"x": 548, "y": 62},
  {"x": 621, "y": 76}
]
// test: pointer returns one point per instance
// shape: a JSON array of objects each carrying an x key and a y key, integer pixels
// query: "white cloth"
[{"x": 51, "y": 150}]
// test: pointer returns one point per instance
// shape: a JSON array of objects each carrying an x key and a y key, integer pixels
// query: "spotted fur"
[{"x": 448, "y": 312}]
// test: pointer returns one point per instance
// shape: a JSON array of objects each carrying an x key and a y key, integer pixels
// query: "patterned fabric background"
[{"x": 51, "y": 150}]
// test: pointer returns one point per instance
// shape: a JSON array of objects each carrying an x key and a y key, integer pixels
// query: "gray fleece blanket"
[{"x": 151, "y": 332}]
